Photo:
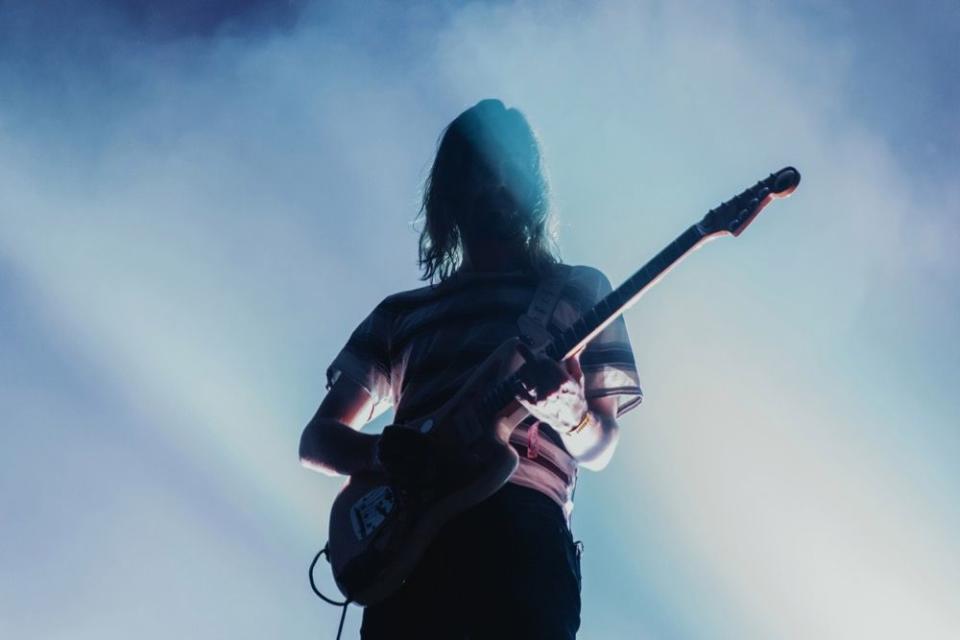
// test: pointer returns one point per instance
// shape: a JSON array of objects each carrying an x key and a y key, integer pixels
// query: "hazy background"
[{"x": 200, "y": 200}]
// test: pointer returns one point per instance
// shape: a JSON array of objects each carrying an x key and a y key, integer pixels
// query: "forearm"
[
  {"x": 334, "y": 448},
  {"x": 593, "y": 445}
]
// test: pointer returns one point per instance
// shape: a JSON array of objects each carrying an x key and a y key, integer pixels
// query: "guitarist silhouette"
[{"x": 507, "y": 567}]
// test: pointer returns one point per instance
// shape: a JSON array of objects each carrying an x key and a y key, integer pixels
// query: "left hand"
[{"x": 551, "y": 391}]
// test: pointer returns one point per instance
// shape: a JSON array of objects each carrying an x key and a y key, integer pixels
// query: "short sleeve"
[
  {"x": 365, "y": 358},
  {"x": 608, "y": 364}
]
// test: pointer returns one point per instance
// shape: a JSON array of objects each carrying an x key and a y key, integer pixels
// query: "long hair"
[{"x": 487, "y": 178}]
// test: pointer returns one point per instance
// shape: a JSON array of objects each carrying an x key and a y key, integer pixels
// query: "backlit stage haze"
[{"x": 197, "y": 205}]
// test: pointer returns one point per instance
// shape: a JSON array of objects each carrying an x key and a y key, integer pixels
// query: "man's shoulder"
[
  {"x": 588, "y": 274},
  {"x": 457, "y": 289},
  {"x": 588, "y": 284},
  {"x": 587, "y": 281},
  {"x": 403, "y": 301}
]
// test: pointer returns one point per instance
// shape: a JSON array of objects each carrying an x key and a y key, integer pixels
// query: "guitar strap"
[
  {"x": 533, "y": 324},
  {"x": 534, "y": 332}
]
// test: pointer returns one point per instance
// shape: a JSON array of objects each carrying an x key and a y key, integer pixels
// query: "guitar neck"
[
  {"x": 580, "y": 333},
  {"x": 729, "y": 218}
]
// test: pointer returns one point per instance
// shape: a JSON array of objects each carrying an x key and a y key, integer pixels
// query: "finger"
[
  {"x": 529, "y": 405},
  {"x": 573, "y": 367},
  {"x": 531, "y": 373},
  {"x": 525, "y": 391}
]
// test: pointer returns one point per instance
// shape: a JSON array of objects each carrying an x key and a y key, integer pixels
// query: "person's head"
[{"x": 487, "y": 190}]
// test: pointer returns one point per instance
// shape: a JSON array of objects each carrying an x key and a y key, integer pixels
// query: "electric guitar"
[{"x": 378, "y": 532}]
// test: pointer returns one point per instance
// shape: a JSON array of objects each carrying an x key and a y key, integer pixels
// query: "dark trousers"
[{"x": 506, "y": 568}]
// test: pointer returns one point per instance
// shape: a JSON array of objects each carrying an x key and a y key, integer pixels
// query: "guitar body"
[{"x": 378, "y": 533}]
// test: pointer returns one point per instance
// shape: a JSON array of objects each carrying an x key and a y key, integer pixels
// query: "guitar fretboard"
[{"x": 732, "y": 217}]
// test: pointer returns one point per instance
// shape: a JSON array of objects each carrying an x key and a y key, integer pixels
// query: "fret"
[
  {"x": 593, "y": 318},
  {"x": 580, "y": 327},
  {"x": 614, "y": 300},
  {"x": 603, "y": 308}
]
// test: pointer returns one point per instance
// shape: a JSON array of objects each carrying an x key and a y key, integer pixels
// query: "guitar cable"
[{"x": 313, "y": 585}]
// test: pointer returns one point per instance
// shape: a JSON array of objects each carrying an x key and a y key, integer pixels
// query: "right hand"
[
  {"x": 408, "y": 457},
  {"x": 553, "y": 392}
]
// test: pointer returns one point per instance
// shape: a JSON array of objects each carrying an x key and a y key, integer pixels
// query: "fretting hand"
[{"x": 551, "y": 391}]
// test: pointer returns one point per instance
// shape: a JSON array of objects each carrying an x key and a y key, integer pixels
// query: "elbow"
[
  {"x": 311, "y": 447},
  {"x": 305, "y": 445},
  {"x": 306, "y": 459}
]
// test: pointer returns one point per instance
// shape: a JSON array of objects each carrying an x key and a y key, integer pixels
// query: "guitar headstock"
[{"x": 736, "y": 214}]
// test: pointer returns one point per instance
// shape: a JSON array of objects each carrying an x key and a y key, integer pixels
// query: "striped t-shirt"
[{"x": 416, "y": 348}]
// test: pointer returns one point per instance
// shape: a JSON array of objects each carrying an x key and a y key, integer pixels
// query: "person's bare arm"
[
  {"x": 593, "y": 445},
  {"x": 331, "y": 442},
  {"x": 554, "y": 393}
]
